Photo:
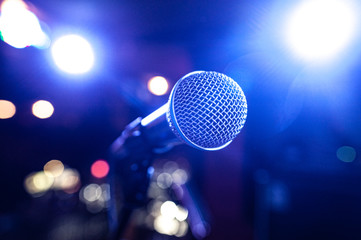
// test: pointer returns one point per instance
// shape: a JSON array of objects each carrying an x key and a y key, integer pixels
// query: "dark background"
[{"x": 279, "y": 179}]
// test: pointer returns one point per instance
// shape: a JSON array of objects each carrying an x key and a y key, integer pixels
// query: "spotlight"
[
  {"x": 320, "y": 29},
  {"x": 73, "y": 54},
  {"x": 19, "y": 27}
]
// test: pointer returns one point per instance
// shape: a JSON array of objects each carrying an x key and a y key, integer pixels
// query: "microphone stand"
[
  {"x": 130, "y": 158},
  {"x": 131, "y": 155}
]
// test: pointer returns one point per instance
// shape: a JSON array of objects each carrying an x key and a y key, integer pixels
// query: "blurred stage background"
[{"x": 294, "y": 172}]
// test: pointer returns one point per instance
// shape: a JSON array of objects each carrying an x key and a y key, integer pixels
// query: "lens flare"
[{"x": 7, "y": 109}]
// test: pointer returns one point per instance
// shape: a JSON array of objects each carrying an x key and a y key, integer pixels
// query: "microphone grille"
[{"x": 207, "y": 110}]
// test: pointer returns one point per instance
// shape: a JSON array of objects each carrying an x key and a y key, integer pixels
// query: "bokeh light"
[
  {"x": 19, "y": 27},
  {"x": 42, "y": 182},
  {"x": 43, "y": 109},
  {"x": 158, "y": 85},
  {"x": 29, "y": 184},
  {"x": 100, "y": 169},
  {"x": 105, "y": 192},
  {"x": 181, "y": 214},
  {"x": 68, "y": 181},
  {"x": 7, "y": 109},
  {"x": 164, "y": 215},
  {"x": 346, "y": 154},
  {"x": 154, "y": 207},
  {"x": 165, "y": 225},
  {"x": 169, "y": 209},
  {"x": 37, "y": 183},
  {"x": 54, "y": 168},
  {"x": 96, "y": 197},
  {"x": 180, "y": 176},
  {"x": 320, "y": 29},
  {"x": 171, "y": 221},
  {"x": 182, "y": 230},
  {"x": 73, "y": 54},
  {"x": 156, "y": 192},
  {"x": 164, "y": 180},
  {"x": 92, "y": 192},
  {"x": 54, "y": 177}
]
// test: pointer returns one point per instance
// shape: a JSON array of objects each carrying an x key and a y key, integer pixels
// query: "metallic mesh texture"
[{"x": 207, "y": 109}]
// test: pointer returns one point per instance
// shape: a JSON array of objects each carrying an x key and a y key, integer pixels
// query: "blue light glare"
[{"x": 318, "y": 30}]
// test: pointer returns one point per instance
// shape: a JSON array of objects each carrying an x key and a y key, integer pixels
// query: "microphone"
[{"x": 205, "y": 110}]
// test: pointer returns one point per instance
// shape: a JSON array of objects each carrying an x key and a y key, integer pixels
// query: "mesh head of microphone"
[{"x": 207, "y": 110}]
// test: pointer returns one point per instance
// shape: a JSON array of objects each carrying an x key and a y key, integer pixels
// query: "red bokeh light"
[{"x": 100, "y": 169}]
